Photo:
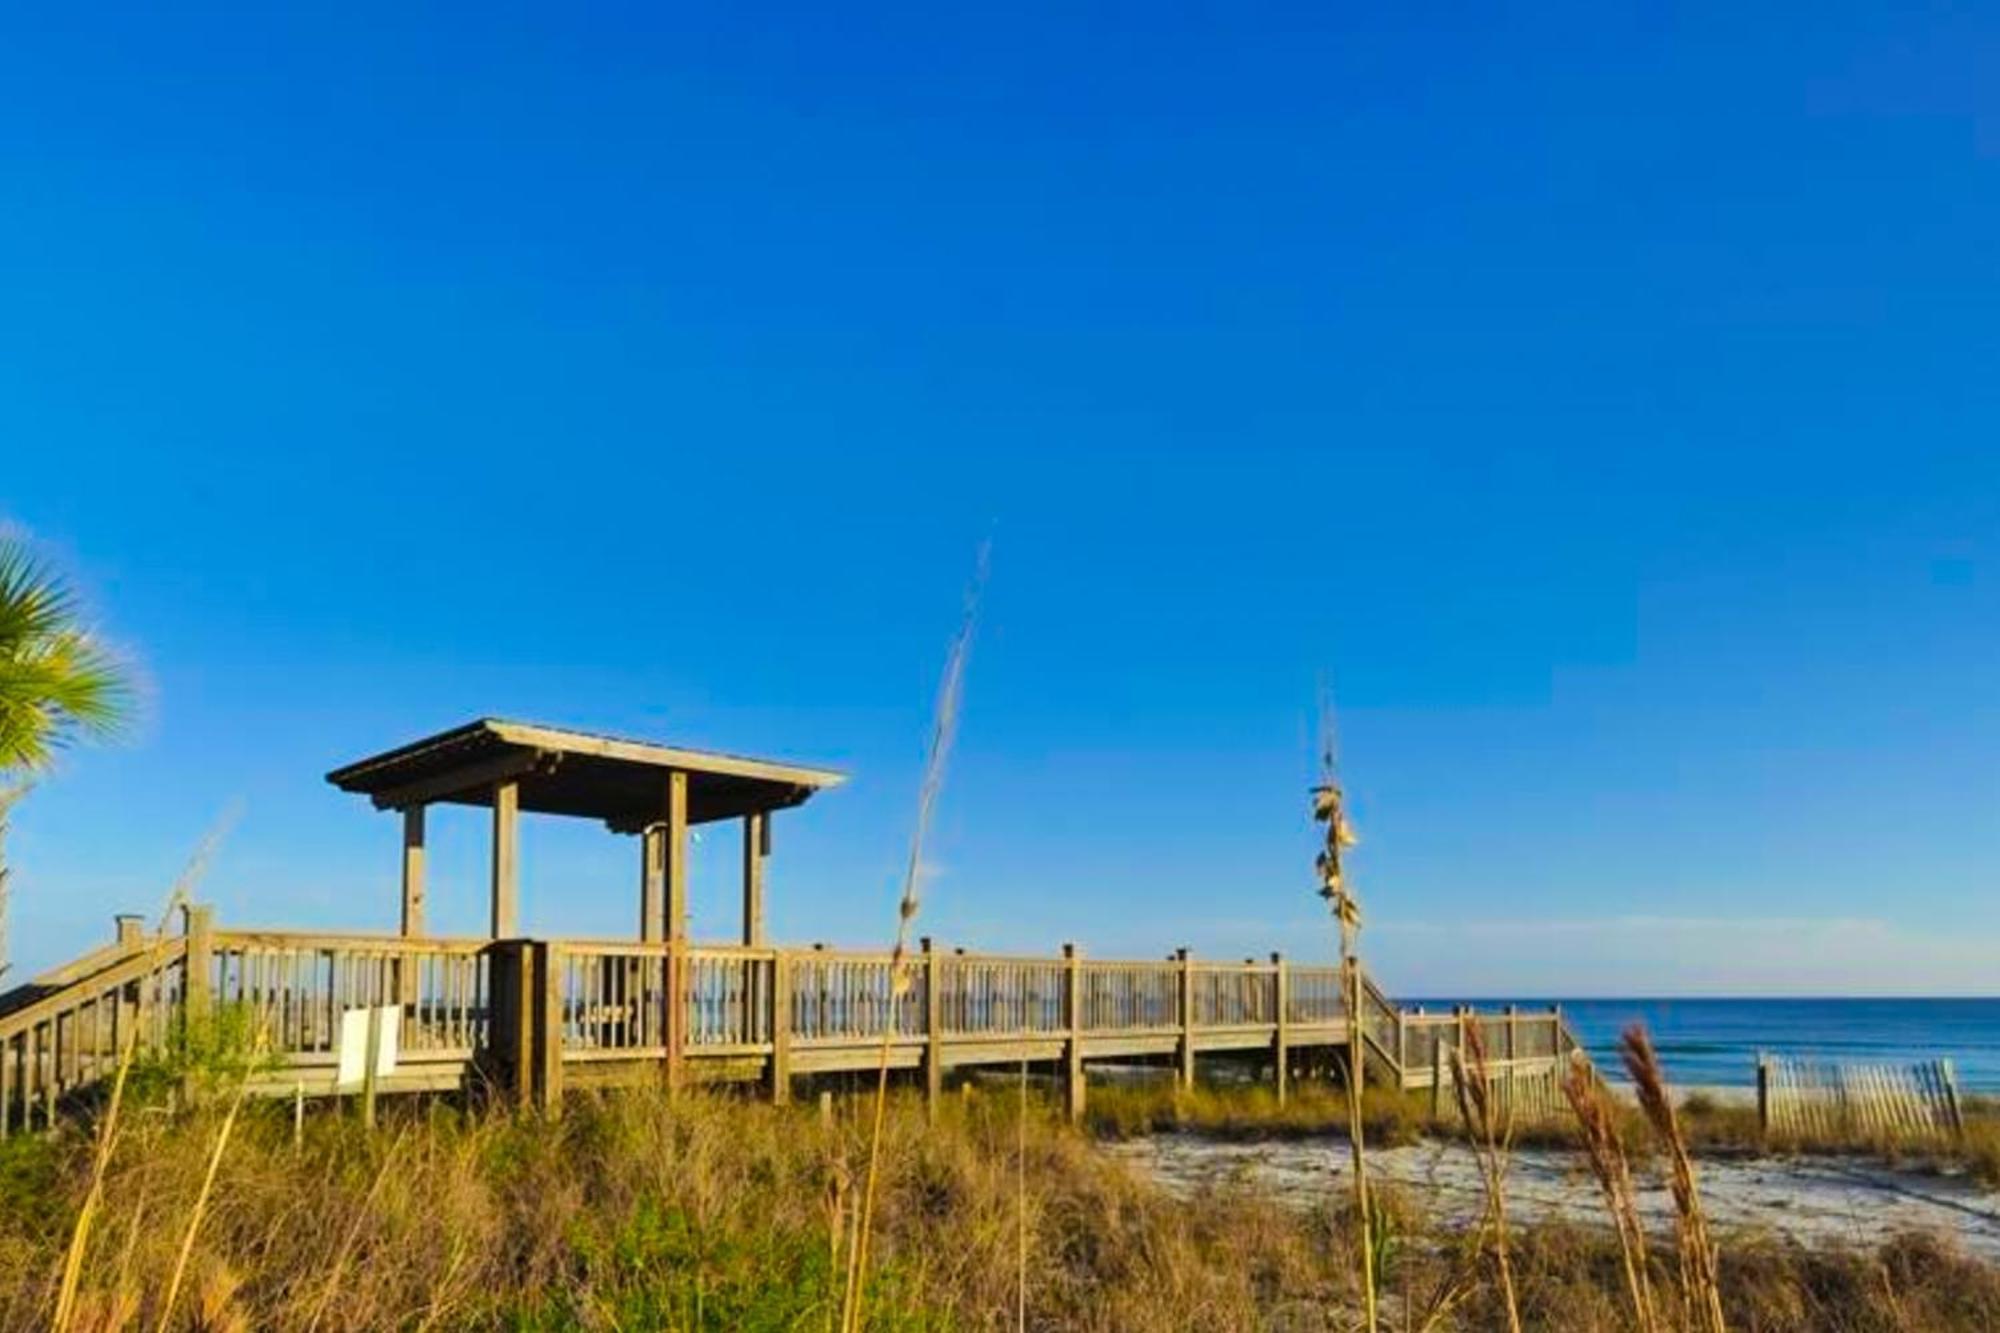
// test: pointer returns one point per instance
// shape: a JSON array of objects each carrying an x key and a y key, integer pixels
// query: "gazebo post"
[
  {"x": 676, "y": 857},
  {"x": 756, "y": 846},
  {"x": 652, "y": 883},
  {"x": 413, "y": 869},
  {"x": 506, "y": 859},
  {"x": 413, "y": 899},
  {"x": 675, "y": 841}
]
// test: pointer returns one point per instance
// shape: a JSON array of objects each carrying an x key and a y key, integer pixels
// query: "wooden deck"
[{"x": 532, "y": 1018}]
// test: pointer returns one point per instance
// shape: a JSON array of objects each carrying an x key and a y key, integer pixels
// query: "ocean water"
[{"x": 1716, "y": 1041}]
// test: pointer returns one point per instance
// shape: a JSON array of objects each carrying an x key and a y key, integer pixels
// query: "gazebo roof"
[{"x": 565, "y": 772}]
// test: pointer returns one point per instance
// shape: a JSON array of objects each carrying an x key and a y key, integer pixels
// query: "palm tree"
[{"x": 58, "y": 684}]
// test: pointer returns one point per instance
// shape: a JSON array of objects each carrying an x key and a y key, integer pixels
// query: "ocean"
[{"x": 1715, "y": 1041}]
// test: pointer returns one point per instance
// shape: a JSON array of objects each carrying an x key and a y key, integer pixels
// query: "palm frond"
[
  {"x": 34, "y": 602},
  {"x": 58, "y": 683}
]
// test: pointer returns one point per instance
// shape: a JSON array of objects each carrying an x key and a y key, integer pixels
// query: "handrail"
[
  {"x": 61, "y": 1042},
  {"x": 78, "y": 969},
  {"x": 162, "y": 952},
  {"x": 633, "y": 1001},
  {"x": 236, "y": 937}
]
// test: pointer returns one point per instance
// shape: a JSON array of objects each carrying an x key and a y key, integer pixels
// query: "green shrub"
[{"x": 203, "y": 1057}]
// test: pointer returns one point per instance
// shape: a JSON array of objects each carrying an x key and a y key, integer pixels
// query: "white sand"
[{"x": 1816, "y": 1201}]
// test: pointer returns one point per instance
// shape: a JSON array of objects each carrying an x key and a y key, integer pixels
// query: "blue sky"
[{"x": 1608, "y": 400}]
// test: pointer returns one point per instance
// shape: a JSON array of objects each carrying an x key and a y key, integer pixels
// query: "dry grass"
[
  {"x": 62, "y": 1315},
  {"x": 1250, "y": 1111},
  {"x": 1701, "y": 1287},
  {"x": 712, "y": 1213},
  {"x": 1597, "y": 1123},
  {"x": 1980, "y": 1150},
  {"x": 631, "y": 1212},
  {"x": 1491, "y": 1132}
]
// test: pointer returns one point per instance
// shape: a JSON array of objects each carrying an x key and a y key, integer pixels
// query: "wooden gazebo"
[{"x": 636, "y": 787}]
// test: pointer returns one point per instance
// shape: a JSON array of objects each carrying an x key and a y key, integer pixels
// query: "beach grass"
[
  {"x": 711, "y": 1212},
  {"x": 1132, "y": 1108}
]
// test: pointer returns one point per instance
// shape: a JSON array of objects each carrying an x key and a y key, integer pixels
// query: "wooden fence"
[{"x": 1821, "y": 1100}]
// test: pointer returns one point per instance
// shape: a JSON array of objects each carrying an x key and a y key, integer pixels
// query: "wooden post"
[
  {"x": 1763, "y": 1092},
  {"x": 674, "y": 853},
  {"x": 675, "y": 1027},
  {"x": 413, "y": 870},
  {"x": 546, "y": 1014},
  {"x": 756, "y": 845},
  {"x": 677, "y": 856},
  {"x": 1513, "y": 1033},
  {"x": 130, "y": 930},
  {"x": 1279, "y": 1050},
  {"x": 653, "y": 883},
  {"x": 1437, "y": 1071},
  {"x": 198, "y": 923},
  {"x": 370, "y": 1055},
  {"x": 514, "y": 992},
  {"x": 506, "y": 860},
  {"x": 781, "y": 1028},
  {"x": 933, "y": 1030},
  {"x": 407, "y": 977},
  {"x": 1073, "y": 1088},
  {"x": 1185, "y": 1052}
]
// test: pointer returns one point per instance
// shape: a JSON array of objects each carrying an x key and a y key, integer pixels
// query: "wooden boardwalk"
[{"x": 531, "y": 1018}]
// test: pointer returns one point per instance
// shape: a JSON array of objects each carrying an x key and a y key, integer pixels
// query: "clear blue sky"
[{"x": 1608, "y": 401}]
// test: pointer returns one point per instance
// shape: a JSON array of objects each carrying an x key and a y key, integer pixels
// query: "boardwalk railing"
[
  {"x": 519, "y": 1013},
  {"x": 291, "y": 988},
  {"x": 60, "y": 1043}
]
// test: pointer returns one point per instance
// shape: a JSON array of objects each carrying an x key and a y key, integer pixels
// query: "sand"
[{"x": 1816, "y": 1201}]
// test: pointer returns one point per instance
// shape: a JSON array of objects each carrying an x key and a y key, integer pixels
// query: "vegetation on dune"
[
  {"x": 631, "y": 1212},
  {"x": 1124, "y": 1110}
]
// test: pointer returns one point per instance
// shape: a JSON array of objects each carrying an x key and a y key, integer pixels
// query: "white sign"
[{"x": 353, "y": 1049}]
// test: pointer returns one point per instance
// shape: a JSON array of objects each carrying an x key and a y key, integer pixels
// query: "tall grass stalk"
[
  {"x": 1701, "y": 1284},
  {"x": 1491, "y": 1131},
  {"x": 1330, "y": 809},
  {"x": 944, "y": 728},
  {"x": 340, "y": 1256},
  {"x": 201, "y": 1203},
  {"x": 1350, "y": 992},
  {"x": 1606, "y": 1154},
  {"x": 107, "y": 1129},
  {"x": 1021, "y": 1204}
]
